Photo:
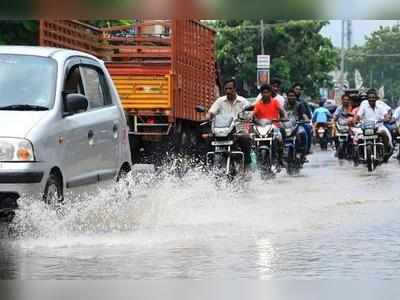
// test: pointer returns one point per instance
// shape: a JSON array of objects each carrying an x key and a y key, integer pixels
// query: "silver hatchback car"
[{"x": 62, "y": 125}]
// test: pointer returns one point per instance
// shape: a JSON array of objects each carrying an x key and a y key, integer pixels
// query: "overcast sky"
[{"x": 361, "y": 28}]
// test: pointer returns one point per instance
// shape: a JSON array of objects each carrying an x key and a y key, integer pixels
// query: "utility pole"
[
  {"x": 342, "y": 61},
  {"x": 349, "y": 34},
  {"x": 262, "y": 36}
]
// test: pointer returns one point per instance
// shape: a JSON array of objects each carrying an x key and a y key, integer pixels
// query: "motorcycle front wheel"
[
  {"x": 341, "y": 154},
  {"x": 265, "y": 162},
  {"x": 370, "y": 160}
]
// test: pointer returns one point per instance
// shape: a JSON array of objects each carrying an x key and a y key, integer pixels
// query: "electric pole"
[
  {"x": 349, "y": 34},
  {"x": 342, "y": 61},
  {"x": 262, "y": 36}
]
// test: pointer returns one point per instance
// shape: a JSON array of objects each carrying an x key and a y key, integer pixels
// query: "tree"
[
  {"x": 19, "y": 32},
  {"x": 299, "y": 53},
  {"x": 379, "y": 61}
]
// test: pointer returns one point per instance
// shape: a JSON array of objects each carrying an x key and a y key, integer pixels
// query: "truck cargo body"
[{"x": 161, "y": 69}]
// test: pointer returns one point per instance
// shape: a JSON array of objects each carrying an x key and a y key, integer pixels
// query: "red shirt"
[{"x": 269, "y": 111}]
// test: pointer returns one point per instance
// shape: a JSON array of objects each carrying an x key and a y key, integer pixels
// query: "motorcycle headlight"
[
  {"x": 343, "y": 128},
  {"x": 288, "y": 131},
  {"x": 369, "y": 132},
  {"x": 15, "y": 150}
]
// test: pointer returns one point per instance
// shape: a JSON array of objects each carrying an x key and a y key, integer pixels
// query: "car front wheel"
[{"x": 53, "y": 192}]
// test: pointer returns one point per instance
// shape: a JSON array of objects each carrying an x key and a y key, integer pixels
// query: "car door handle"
[
  {"x": 115, "y": 131},
  {"x": 91, "y": 137}
]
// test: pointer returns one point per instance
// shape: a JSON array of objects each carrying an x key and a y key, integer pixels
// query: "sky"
[{"x": 361, "y": 28}]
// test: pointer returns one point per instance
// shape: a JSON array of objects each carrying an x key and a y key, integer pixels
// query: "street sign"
[
  {"x": 263, "y": 61},
  {"x": 262, "y": 77}
]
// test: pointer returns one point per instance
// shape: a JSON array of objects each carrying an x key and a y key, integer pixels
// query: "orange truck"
[{"x": 161, "y": 69}]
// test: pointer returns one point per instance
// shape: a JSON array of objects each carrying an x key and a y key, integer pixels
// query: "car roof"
[{"x": 42, "y": 51}]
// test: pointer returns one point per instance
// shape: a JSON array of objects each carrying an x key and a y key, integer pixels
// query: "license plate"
[
  {"x": 370, "y": 137},
  {"x": 222, "y": 143}
]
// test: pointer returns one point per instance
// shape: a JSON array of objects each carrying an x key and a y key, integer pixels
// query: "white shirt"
[
  {"x": 223, "y": 105},
  {"x": 280, "y": 98},
  {"x": 396, "y": 114},
  {"x": 367, "y": 113}
]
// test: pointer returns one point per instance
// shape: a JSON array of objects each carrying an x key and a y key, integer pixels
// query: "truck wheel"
[{"x": 53, "y": 192}]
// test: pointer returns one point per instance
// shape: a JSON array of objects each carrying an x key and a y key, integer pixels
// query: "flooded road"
[{"x": 333, "y": 221}]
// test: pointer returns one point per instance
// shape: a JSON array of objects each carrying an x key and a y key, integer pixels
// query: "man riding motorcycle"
[
  {"x": 276, "y": 93},
  {"x": 374, "y": 110},
  {"x": 233, "y": 104},
  {"x": 344, "y": 110},
  {"x": 270, "y": 109},
  {"x": 343, "y": 115},
  {"x": 298, "y": 89},
  {"x": 321, "y": 118},
  {"x": 298, "y": 111}
]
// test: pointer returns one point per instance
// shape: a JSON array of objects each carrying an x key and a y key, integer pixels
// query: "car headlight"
[{"x": 15, "y": 150}]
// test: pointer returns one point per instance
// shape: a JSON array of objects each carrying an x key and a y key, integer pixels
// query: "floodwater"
[{"x": 332, "y": 221}]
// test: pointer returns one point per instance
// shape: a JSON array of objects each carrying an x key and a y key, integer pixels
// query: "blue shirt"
[{"x": 321, "y": 115}]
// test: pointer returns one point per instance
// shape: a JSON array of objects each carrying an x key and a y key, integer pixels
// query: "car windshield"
[{"x": 27, "y": 82}]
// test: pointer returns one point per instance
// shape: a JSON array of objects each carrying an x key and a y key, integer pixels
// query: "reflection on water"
[{"x": 334, "y": 221}]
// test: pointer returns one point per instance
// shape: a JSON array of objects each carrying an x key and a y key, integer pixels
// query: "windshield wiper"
[{"x": 26, "y": 107}]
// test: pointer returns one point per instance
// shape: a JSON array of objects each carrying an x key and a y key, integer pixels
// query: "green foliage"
[
  {"x": 378, "y": 61},
  {"x": 299, "y": 53},
  {"x": 107, "y": 23},
  {"x": 19, "y": 32}
]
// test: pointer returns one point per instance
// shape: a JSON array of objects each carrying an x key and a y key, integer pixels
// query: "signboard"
[
  {"x": 263, "y": 61},
  {"x": 262, "y": 77}
]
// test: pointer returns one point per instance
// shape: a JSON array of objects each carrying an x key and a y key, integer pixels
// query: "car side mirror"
[
  {"x": 200, "y": 109},
  {"x": 75, "y": 103}
]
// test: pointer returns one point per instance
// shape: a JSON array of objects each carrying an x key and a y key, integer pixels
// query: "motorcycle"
[
  {"x": 344, "y": 142},
  {"x": 396, "y": 140},
  {"x": 294, "y": 147},
  {"x": 226, "y": 157},
  {"x": 264, "y": 138},
  {"x": 369, "y": 149},
  {"x": 322, "y": 136}
]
